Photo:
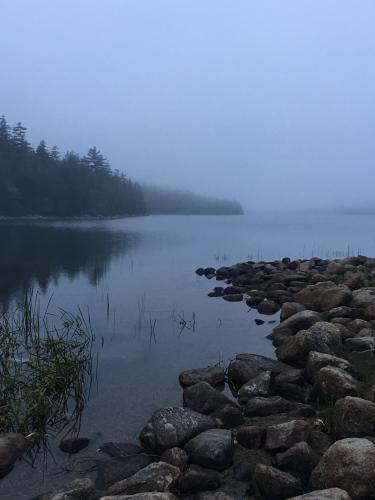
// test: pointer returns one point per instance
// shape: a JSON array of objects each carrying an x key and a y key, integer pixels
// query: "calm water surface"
[{"x": 133, "y": 272}]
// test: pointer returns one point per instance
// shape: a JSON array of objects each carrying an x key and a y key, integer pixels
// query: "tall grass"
[{"x": 46, "y": 365}]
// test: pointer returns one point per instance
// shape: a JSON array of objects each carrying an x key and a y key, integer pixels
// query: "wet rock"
[
  {"x": 218, "y": 291},
  {"x": 261, "y": 407},
  {"x": 212, "y": 449},
  {"x": 120, "y": 450},
  {"x": 363, "y": 297},
  {"x": 82, "y": 488},
  {"x": 173, "y": 426},
  {"x": 198, "y": 479},
  {"x": 238, "y": 297},
  {"x": 321, "y": 337},
  {"x": 201, "y": 397},
  {"x": 12, "y": 447},
  {"x": 288, "y": 309},
  {"x": 274, "y": 484},
  {"x": 248, "y": 366},
  {"x": 329, "y": 494},
  {"x": 115, "y": 470},
  {"x": 73, "y": 445},
  {"x": 177, "y": 457},
  {"x": 319, "y": 441},
  {"x": 258, "y": 321},
  {"x": 353, "y": 417},
  {"x": 250, "y": 436},
  {"x": 283, "y": 436},
  {"x": 332, "y": 383},
  {"x": 279, "y": 336},
  {"x": 228, "y": 417},
  {"x": 257, "y": 386},
  {"x": 348, "y": 464},
  {"x": 324, "y": 296},
  {"x": 157, "y": 476},
  {"x": 299, "y": 458},
  {"x": 213, "y": 375},
  {"x": 268, "y": 307},
  {"x": 360, "y": 344},
  {"x": 299, "y": 321},
  {"x": 363, "y": 362},
  {"x": 318, "y": 360}
]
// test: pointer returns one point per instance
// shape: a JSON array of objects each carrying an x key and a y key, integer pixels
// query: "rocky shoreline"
[{"x": 301, "y": 426}]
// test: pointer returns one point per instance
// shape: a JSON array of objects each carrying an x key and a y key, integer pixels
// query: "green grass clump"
[{"x": 46, "y": 364}]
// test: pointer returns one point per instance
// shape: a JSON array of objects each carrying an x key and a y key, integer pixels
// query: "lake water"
[{"x": 134, "y": 272}]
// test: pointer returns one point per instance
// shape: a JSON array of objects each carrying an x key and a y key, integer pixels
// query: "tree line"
[{"x": 42, "y": 182}]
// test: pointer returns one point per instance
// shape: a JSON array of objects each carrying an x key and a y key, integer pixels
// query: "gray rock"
[
  {"x": 299, "y": 321},
  {"x": 238, "y": 297},
  {"x": 348, "y": 464},
  {"x": 112, "y": 471},
  {"x": 332, "y": 383},
  {"x": 212, "y": 449},
  {"x": 324, "y": 296},
  {"x": 290, "y": 308},
  {"x": 257, "y": 386},
  {"x": 228, "y": 417},
  {"x": 142, "y": 496},
  {"x": 173, "y": 426},
  {"x": 213, "y": 375},
  {"x": 318, "y": 360},
  {"x": 198, "y": 479},
  {"x": 268, "y": 307},
  {"x": 203, "y": 398},
  {"x": 177, "y": 457},
  {"x": 321, "y": 337},
  {"x": 299, "y": 458},
  {"x": 12, "y": 447},
  {"x": 261, "y": 407},
  {"x": 363, "y": 297},
  {"x": 360, "y": 343},
  {"x": 274, "y": 484},
  {"x": 319, "y": 441},
  {"x": 344, "y": 312},
  {"x": 250, "y": 436},
  {"x": 363, "y": 362},
  {"x": 157, "y": 476},
  {"x": 248, "y": 366},
  {"x": 329, "y": 494},
  {"x": 283, "y": 436},
  {"x": 246, "y": 460},
  {"x": 356, "y": 325},
  {"x": 353, "y": 417}
]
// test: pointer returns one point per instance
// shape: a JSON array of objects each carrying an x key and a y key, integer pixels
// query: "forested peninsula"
[{"x": 42, "y": 182}]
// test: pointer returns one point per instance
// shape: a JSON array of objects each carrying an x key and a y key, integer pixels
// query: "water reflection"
[{"x": 34, "y": 255}]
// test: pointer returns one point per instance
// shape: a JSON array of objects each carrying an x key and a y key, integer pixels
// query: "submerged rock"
[
  {"x": 12, "y": 447},
  {"x": 73, "y": 445}
]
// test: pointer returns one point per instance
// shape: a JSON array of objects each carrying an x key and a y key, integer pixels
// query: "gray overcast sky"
[{"x": 271, "y": 102}]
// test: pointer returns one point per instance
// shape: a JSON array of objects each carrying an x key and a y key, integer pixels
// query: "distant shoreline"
[{"x": 33, "y": 218}]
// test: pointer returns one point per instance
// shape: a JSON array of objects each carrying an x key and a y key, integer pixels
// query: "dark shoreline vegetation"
[
  {"x": 303, "y": 423},
  {"x": 41, "y": 183}
]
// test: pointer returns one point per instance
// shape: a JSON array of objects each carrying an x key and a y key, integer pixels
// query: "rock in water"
[
  {"x": 73, "y": 445},
  {"x": 174, "y": 426},
  {"x": 213, "y": 375},
  {"x": 203, "y": 398},
  {"x": 158, "y": 476},
  {"x": 348, "y": 464},
  {"x": 12, "y": 446},
  {"x": 212, "y": 449}
]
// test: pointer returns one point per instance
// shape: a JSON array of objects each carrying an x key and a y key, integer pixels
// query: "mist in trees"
[
  {"x": 174, "y": 201},
  {"x": 42, "y": 182}
]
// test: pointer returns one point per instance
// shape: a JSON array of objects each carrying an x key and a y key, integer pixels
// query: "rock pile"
[{"x": 301, "y": 426}]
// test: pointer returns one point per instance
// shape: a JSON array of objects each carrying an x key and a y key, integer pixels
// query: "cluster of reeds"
[{"x": 46, "y": 366}]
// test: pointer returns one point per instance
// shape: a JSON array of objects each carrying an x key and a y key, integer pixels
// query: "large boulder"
[
  {"x": 324, "y": 296},
  {"x": 318, "y": 360},
  {"x": 288, "y": 309},
  {"x": 212, "y": 449},
  {"x": 329, "y": 494},
  {"x": 280, "y": 437},
  {"x": 321, "y": 337},
  {"x": 158, "y": 476},
  {"x": 363, "y": 297},
  {"x": 173, "y": 426},
  {"x": 176, "y": 456},
  {"x": 12, "y": 446},
  {"x": 299, "y": 321},
  {"x": 353, "y": 417},
  {"x": 299, "y": 458},
  {"x": 274, "y": 484},
  {"x": 360, "y": 344},
  {"x": 203, "y": 398},
  {"x": 348, "y": 464},
  {"x": 213, "y": 375},
  {"x": 332, "y": 383}
]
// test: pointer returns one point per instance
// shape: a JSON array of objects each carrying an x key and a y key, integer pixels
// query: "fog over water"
[{"x": 271, "y": 103}]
